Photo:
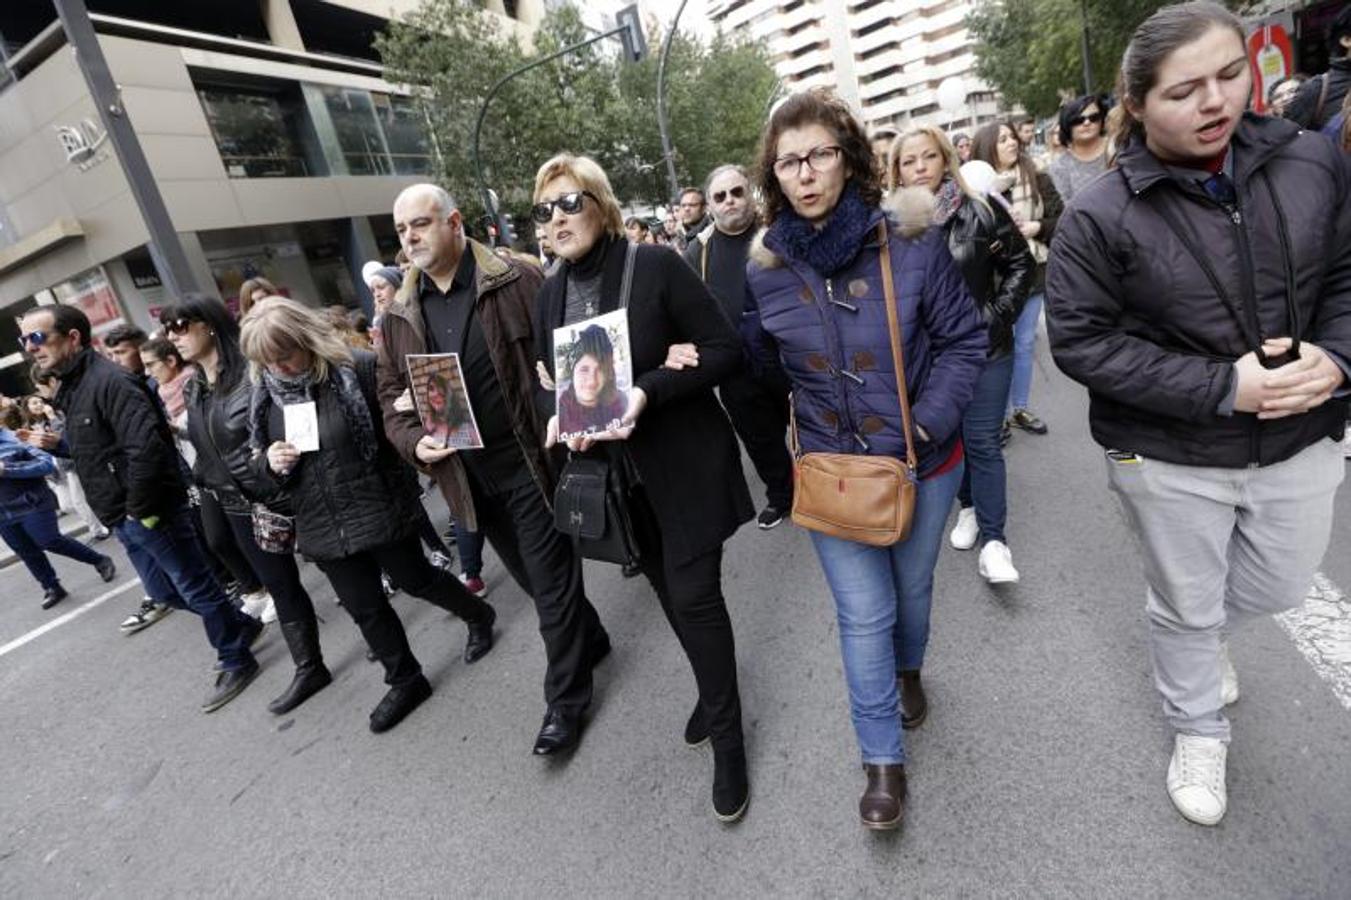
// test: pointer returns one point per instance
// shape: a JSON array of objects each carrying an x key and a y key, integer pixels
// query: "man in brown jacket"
[{"x": 461, "y": 298}]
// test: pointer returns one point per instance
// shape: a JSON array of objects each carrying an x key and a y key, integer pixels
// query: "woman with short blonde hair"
[
  {"x": 278, "y": 326},
  {"x": 594, "y": 184}
]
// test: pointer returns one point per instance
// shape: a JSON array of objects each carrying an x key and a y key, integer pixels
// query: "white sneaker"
[
  {"x": 1228, "y": 677},
  {"x": 1196, "y": 778},
  {"x": 966, "y": 532},
  {"x": 996, "y": 564},
  {"x": 255, "y": 603},
  {"x": 269, "y": 613}
]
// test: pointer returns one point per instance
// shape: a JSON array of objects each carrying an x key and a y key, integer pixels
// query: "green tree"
[
  {"x": 1030, "y": 50},
  {"x": 587, "y": 102}
]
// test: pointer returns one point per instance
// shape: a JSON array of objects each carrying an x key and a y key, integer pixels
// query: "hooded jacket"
[
  {"x": 23, "y": 485},
  {"x": 1132, "y": 316},
  {"x": 831, "y": 338}
]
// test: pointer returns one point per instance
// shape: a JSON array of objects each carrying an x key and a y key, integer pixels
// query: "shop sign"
[
  {"x": 93, "y": 294},
  {"x": 83, "y": 143},
  {"x": 1272, "y": 58}
]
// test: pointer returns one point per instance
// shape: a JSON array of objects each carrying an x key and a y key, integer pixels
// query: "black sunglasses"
[
  {"x": 738, "y": 192},
  {"x": 570, "y": 203},
  {"x": 179, "y": 326},
  {"x": 1090, "y": 119},
  {"x": 36, "y": 338}
]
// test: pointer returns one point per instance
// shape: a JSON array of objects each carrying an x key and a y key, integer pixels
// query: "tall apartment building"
[
  {"x": 270, "y": 132},
  {"x": 886, "y": 57}
]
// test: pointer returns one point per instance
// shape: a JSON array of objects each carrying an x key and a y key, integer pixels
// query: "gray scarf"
[{"x": 275, "y": 389}]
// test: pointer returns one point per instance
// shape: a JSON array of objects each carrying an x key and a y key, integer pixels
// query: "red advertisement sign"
[{"x": 1272, "y": 58}]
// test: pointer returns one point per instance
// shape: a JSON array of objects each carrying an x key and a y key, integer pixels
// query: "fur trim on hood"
[{"x": 910, "y": 211}]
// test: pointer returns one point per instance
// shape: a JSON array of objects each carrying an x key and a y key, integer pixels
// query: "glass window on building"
[
  {"x": 405, "y": 130},
  {"x": 358, "y": 131},
  {"x": 261, "y": 130}
]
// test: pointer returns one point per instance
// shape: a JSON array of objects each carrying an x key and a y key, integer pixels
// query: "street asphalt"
[{"x": 1039, "y": 773}]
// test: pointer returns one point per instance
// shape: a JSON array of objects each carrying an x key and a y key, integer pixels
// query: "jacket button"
[{"x": 858, "y": 287}]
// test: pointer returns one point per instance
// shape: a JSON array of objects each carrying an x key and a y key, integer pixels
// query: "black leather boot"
[
  {"x": 731, "y": 785},
  {"x": 914, "y": 705},
  {"x": 311, "y": 675},
  {"x": 882, "y": 805}
]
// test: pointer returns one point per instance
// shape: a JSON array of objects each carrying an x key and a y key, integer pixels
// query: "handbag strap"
[
  {"x": 626, "y": 286},
  {"x": 897, "y": 353}
]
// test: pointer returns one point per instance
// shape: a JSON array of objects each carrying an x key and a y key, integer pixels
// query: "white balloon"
[
  {"x": 979, "y": 175},
  {"x": 952, "y": 94}
]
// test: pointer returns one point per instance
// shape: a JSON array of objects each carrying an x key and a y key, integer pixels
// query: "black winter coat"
[
  {"x": 683, "y": 445},
  {"x": 996, "y": 264},
  {"x": 1132, "y": 316},
  {"x": 120, "y": 441},
  {"x": 343, "y": 504},
  {"x": 218, "y": 427},
  {"x": 1303, "y": 108}
]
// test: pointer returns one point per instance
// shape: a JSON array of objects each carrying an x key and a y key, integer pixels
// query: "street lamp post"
[
  {"x": 667, "y": 150},
  {"x": 1083, "y": 36}
]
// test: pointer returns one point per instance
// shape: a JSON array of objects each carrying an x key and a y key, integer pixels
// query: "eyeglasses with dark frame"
[
  {"x": 737, "y": 192},
  {"x": 571, "y": 204},
  {"x": 819, "y": 159}
]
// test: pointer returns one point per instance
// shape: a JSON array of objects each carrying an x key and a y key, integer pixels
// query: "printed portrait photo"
[
  {"x": 442, "y": 400},
  {"x": 593, "y": 374}
]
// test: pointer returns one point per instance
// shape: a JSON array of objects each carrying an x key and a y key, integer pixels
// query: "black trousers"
[
  {"x": 691, "y": 597},
  {"x": 356, "y": 581},
  {"x": 220, "y": 541},
  {"x": 278, "y": 572},
  {"x": 520, "y": 527},
  {"x": 759, "y": 414}
]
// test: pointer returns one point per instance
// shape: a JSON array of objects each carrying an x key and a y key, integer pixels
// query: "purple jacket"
[{"x": 830, "y": 337}]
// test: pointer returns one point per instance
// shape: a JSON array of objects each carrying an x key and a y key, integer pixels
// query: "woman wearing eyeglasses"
[
  {"x": 217, "y": 400},
  {"x": 816, "y": 277},
  {"x": 688, "y": 494},
  {"x": 1083, "y": 133}
]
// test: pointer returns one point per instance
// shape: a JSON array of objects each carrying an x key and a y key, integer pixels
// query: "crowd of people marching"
[{"x": 846, "y": 299}]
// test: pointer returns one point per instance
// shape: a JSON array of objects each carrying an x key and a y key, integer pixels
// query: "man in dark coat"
[
  {"x": 1320, "y": 99},
  {"x": 461, "y": 298},
  {"x": 125, "y": 456}
]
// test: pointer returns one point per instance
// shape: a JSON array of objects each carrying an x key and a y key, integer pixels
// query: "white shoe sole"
[
  {"x": 1196, "y": 818},
  {"x": 1003, "y": 579}
]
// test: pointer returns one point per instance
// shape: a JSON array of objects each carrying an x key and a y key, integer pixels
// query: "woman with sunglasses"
[
  {"x": 688, "y": 495},
  {"x": 1083, "y": 133},
  {"x": 355, "y": 506},
  {"x": 217, "y": 401},
  {"x": 817, "y": 278},
  {"x": 998, "y": 267}
]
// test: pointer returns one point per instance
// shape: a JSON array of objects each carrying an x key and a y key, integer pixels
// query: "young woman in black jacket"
[
  {"x": 217, "y": 405},
  {"x": 356, "y": 508},
  {"x": 690, "y": 495},
  {"x": 1202, "y": 292},
  {"x": 998, "y": 268}
]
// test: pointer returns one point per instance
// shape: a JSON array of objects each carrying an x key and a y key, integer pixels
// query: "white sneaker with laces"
[
  {"x": 996, "y": 564},
  {"x": 1196, "y": 778},
  {"x": 1228, "y": 677},
  {"x": 966, "y": 532}
]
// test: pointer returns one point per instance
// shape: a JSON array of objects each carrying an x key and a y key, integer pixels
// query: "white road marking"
[
  {"x": 1321, "y": 629},
  {"x": 73, "y": 614}
]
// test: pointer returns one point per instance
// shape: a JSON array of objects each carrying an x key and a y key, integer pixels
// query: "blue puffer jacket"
[
  {"x": 23, "y": 489},
  {"x": 830, "y": 337}
]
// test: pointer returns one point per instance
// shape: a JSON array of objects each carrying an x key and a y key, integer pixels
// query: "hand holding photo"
[
  {"x": 302, "y": 426},
  {"x": 593, "y": 369},
  {"x": 442, "y": 400}
]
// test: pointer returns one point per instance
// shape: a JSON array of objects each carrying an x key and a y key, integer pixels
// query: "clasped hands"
[{"x": 1296, "y": 387}]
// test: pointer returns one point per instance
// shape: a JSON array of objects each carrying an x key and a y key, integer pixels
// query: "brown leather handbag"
[{"x": 866, "y": 499}]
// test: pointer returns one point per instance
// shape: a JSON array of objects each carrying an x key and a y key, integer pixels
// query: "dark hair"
[
  {"x": 641, "y": 223},
  {"x": 985, "y": 147},
  {"x": 12, "y": 417},
  {"x": 817, "y": 106},
  {"x": 1024, "y": 119},
  {"x": 455, "y": 413},
  {"x": 121, "y": 334},
  {"x": 1074, "y": 109},
  {"x": 66, "y": 319},
  {"x": 1286, "y": 79},
  {"x": 216, "y": 317},
  {"x": 692, "y": 190},
  {"x": 1340, "y": 28},
  {"x": 163, "y": 348},
  {"x": 29, "y": 419},
  {"x": 1154, "y": 41},
  {"x": 595, "y": 342}
]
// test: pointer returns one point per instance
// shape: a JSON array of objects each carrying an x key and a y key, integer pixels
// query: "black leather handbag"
[{"x": 591, "y": 507}]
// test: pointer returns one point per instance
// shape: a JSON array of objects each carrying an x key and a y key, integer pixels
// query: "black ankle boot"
[
  {"x": 731, "y": 785},
  {"x": 312, "y": 676},
  {"x": 398, "y": 703},
  {"x": 914, "y": 705},
  {"x": 696, "y": 729}
]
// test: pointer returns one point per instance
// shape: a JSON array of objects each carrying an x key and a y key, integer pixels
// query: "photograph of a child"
[
  {"x": 594, "y": 373},
  {"x": 442, "y": 400}
]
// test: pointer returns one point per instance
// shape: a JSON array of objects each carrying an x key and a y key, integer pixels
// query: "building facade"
[
  {"x": 885, "y": 57},
  {"x": 271, "y": 136}
]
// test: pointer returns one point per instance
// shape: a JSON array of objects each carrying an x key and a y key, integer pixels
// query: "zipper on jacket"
[
  {"x": 837, "y": 360},
  {"x": 1249, "y": 295}
]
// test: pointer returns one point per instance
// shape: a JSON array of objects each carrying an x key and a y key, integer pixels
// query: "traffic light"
[{"x": 632, "y": 37}]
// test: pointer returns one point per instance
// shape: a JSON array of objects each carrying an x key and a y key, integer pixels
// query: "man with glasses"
[
  {"x": 757, "y": 405},
  {"x": 460, "y": 297},
  {"x": 694, "y": 218},
  {"x": 124, "y": 454}
]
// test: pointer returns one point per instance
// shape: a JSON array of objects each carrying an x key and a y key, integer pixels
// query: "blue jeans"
[
  {"x": 29, "y": 536},
  {"x": 983, "y": 485},
  {"x": 172, "y": 564},
  {"x": 882, "y": 598},
  {"x": 1024, "y": 351},
  {"x": 470, "y": 545}
]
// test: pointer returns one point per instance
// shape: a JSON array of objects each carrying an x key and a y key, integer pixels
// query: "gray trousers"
[{"x": 1221, "y": 547}]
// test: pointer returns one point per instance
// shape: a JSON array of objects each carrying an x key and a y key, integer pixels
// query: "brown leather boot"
[
  {"x": 883, "y": 802},
  {"x": 914, "y": 705}
]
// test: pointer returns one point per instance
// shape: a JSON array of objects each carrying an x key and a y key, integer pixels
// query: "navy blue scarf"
[{"x": 830, "y": 248}]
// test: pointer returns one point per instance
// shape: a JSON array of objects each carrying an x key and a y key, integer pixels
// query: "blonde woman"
[
  {"x": 997, "y": 266},
  {"x": 355, "y": 506}
]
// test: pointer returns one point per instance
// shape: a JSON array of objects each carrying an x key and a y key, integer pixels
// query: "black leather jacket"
[
  {"x": 218, "y": 427},
  {"x": 996, "y": 263}
]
